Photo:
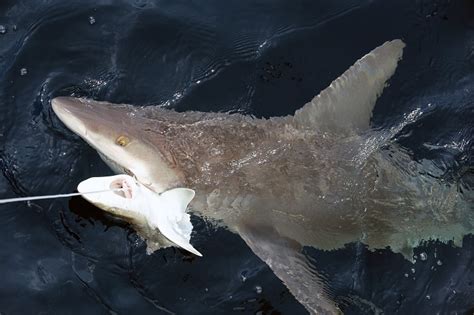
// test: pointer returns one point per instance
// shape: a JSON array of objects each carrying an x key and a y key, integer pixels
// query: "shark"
[{"x": 320, "y": 178}]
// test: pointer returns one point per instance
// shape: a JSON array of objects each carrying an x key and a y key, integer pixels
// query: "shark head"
[
  {"x": 120, "y": 142},
  {"x": 149, "y": 200}
]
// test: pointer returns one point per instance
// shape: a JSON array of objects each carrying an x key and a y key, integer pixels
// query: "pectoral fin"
[
  {"x": 346, "y": 105},
  {"x": 171, "y": 219},
  {"x": 284, "y": 256}
]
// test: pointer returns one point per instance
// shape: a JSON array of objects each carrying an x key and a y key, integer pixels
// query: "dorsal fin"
[{"x": 346, "y": 105}]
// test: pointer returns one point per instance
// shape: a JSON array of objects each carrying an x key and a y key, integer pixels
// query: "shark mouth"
[
  {"x": 124, "y": 196},
  {"x": 122, "y": 187},
  {"x": 110, "y": 191}
]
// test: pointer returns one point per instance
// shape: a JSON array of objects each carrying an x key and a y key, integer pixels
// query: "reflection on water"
[{"x": 265, "y": 59}]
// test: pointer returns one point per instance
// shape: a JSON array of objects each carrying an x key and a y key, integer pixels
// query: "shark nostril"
[{"x": 125, "y": 188}]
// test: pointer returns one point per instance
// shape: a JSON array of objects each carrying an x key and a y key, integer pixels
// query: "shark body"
[{"x": 318, "y": 178}]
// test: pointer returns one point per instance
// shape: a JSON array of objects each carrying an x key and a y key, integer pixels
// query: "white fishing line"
[{"x": 10, "y": 200}]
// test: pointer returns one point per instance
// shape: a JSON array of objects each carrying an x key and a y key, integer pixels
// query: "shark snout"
[
  {"x": 61, "y": 107},
  {"x": 66, "y": 106},
  {"x": 85, "y": 117},
  {"x": 71, "y": 113}
]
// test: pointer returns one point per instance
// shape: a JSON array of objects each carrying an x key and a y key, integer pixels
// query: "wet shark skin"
[{"x": 287, "y": 182}]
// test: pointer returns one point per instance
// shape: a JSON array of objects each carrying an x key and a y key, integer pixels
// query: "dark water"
[{"x": 264, "y": 58}]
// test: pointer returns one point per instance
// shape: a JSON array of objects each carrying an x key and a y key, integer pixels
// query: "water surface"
[{"x": 262, "y": 58}]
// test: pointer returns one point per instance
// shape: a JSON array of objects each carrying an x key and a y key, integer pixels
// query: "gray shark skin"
[{"x": 319, "y": 178}]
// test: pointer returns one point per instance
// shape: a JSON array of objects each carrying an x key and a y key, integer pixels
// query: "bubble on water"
[
  {"x": 423, "y": 256},
  {"x": 243, "y": 277},
  {"x": 412, "y": 270},
  {"x": 258, "y": 289},
  {"x": 406, "y": 275},
  {"x": 91, "y": 20},
  {"x": 23, "y": 71},
  {"x": 439, "y": 262},
  {"x": 3, "y": 29},
  {"x": 428, "y": 297}
]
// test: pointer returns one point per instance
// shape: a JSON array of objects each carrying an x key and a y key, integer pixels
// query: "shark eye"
[{"x": 122, "y": 141}]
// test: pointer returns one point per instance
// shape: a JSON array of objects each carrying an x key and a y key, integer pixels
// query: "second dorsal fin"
[{"x": 346, "y": 105}]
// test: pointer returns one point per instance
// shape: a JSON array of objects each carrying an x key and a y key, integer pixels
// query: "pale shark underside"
[{"x": 319, "y": 178}]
